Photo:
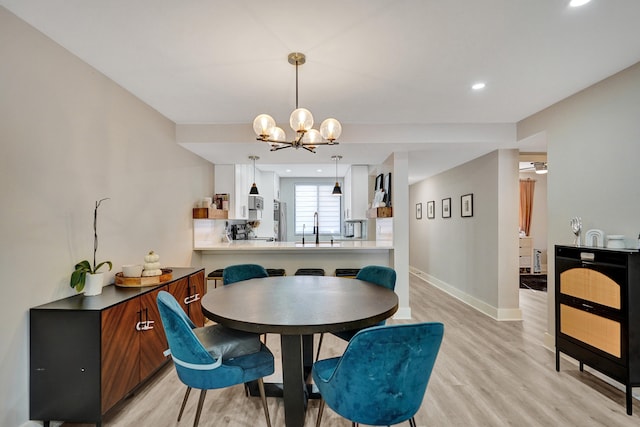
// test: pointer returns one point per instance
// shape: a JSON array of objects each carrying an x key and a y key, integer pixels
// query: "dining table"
[{"x": 296, "y": 307}]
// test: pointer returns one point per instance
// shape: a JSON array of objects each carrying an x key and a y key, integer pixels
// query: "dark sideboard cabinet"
[
  {"x": 88, "y": 353},
  {"x": 597, "y": 307}
]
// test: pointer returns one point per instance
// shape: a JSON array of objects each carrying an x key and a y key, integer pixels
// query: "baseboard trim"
[
  {"x": 500, "y": 314},
  {"x": 403, "y": 313}
]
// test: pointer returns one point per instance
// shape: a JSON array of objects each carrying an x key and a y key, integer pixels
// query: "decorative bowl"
[{"x": 132, "y": 270}]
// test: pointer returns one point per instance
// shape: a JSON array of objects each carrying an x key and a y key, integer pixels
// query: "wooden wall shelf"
[
  {"x": 206, "y": 213},
  {"x": 380, "y": 212}
]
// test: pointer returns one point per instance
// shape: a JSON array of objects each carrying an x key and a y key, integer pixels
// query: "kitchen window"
[{"x": 312, "y": 198}]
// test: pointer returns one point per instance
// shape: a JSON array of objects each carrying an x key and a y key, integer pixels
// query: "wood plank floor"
[{"x": 488, "y": 373}]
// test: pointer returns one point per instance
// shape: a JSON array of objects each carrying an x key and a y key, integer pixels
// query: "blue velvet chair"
[
  {"x": 377, "y": 274},
  {"x": 382, "y": 376},
  {"x": 240, "y": 272},
  {"x": 198, "y": 368}
]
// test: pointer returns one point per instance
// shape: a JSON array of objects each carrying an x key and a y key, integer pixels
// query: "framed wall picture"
[
  {"x": 418, "y": 210},
  {"x": 379, "y": 182},
  {"x": 466, "y": 205},
  {"x": 446, "y": 207},
  {"x": 431, "y": 209},
  {"x": 387, "y": 188}
]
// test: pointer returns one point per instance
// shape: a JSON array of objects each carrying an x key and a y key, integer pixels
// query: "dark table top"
[{"x": 299, "y": 305}]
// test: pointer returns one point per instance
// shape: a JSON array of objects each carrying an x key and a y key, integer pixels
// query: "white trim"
[{"x": 403, "y": 313}]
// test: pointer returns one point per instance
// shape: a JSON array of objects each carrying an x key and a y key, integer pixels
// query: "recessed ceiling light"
[
  {"x": 478, "y": 86},
  {"x": 288, "y": 171},
  {"x": 318, "y": 170},
  {"x": 578, "y": 3}
]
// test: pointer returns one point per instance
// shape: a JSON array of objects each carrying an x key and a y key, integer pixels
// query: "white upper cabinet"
[
  {"x": 235, "y": 180},
  {"x": 356, "y": 192}
]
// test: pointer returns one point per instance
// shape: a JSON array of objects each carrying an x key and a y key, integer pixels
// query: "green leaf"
[
  {"x": 78, "y": 278},
  {"x": 101, "y": 264},
  {"x": 83, "y": 265}
]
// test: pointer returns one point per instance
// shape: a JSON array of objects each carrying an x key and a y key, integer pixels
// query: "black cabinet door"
[{"x": 64, "y": 372}]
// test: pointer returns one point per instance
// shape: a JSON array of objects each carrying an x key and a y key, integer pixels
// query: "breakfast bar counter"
[
  {"x": 294, "y": 255},
  {"x": 309, "y": 245}
]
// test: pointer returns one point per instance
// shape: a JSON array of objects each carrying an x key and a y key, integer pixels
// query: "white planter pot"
[{"x": 93, "y": 284}]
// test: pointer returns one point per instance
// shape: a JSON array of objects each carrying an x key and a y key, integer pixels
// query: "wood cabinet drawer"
[
  {"x": 599, "y": 332},
  {"x": 590, "y": 285}
]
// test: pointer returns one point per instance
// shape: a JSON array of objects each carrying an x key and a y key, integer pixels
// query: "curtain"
[{"x": 526, "y": 204}]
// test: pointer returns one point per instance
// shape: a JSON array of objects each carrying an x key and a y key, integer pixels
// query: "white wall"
[
  {"x": 71, "y": 136},
  {"x": 475, "y": 259},
  {"x": 593, "y": 143}
]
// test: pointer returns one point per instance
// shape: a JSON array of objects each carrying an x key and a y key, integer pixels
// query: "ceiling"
[{"x": 396, "y": 73}]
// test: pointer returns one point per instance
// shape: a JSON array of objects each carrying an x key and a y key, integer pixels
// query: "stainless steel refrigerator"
[{"x": 280, "y": 221}]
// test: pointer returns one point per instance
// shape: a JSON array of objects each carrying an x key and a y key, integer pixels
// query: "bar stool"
[
  {"x": 276, "y": 272},
  {"x": 349, "y": 273},
  {"x": 216, "y": 276},
  {"x": 310, "y": 272}
]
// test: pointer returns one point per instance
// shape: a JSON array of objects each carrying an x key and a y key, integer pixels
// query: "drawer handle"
[
  {"x": 191, "y": 298},
  {"x": 587, "y": 306},
  {"x": 144, "y": 326},
  {"x": 587, "y": 256}
]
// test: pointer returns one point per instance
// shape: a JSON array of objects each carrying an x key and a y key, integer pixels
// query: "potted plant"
[{"x": 86, "y": 275}]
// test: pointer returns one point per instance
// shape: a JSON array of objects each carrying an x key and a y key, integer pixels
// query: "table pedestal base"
[{"x": 297, "y": 362}]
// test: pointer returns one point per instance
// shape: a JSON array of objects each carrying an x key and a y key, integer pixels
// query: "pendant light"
[
  {"x": 336, "y": 189},
  {"x": 254, "y": 187}
]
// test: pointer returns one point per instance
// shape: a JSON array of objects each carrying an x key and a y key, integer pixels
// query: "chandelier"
[{"x": 301, "y": 121}]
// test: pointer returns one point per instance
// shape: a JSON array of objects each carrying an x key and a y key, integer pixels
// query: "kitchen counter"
[
  {"x": 291, "y": 256},
  {"x": 310, "y": 245}
]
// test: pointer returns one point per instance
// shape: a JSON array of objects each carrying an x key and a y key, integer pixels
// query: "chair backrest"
[
  {"x": 383, "y": 374},
  {"x": 173, "y": 304},
  {"x": 240, "y": 272},
  {"x": 378, "y": 274},
  {"x": 183, "y": 342}
]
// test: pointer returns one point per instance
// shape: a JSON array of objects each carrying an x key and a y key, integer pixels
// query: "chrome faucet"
[{"x": 316, "y": 227}]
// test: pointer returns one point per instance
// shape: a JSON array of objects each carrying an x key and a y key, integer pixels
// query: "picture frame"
[
  {"x": 446, "y": 207},
  {"x": 418, "y": 210},
  {"x": 387, "y": 188},
  {"x": 466, "y": 205},
  {"x": 431, "y": 209},
  {"x": 379, "y": 182}
]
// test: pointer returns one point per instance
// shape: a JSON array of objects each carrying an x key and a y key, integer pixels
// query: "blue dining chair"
[
  {"x": 382, "y": 376},
  {"x": 198, "y": 368},
  {"x": 240, "y": 272},
  {"x": 377, "y": 274}
]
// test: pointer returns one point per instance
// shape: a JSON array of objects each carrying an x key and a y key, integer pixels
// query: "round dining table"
[{"x": 296, "y": 307}]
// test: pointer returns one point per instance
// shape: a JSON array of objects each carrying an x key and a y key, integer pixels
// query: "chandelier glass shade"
[{"x": 301, "y": 121}]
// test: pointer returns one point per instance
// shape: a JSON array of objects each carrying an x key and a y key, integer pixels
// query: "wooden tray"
[{"x": 137, "y": 282}]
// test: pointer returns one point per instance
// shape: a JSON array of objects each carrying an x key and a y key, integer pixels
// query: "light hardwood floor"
[{"x": 488, "y": 373}]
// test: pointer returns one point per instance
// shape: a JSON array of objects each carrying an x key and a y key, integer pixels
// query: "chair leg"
[
  {"x": 319, "y": 346},
  {"x": 412, "y": 422},
  {"x": 203, "y": 394},
  {"x": 320, "y": 411},
  {"x": 184, "y": 403},
  {"x": 264, "y": 401}
]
